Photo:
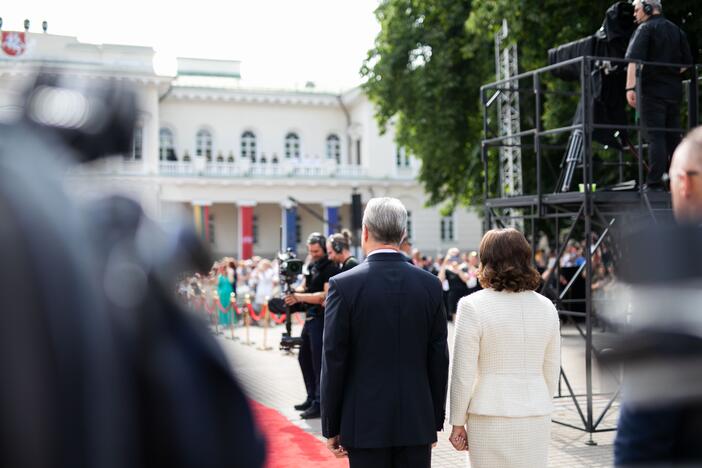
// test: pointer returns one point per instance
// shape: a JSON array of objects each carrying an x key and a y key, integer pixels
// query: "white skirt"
[{"x": 500, "y": 442}]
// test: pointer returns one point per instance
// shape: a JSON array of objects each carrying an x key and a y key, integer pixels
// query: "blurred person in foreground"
[
  {"x": 506, "y": 360},
  {"x": 385, "y": 363},
  {"x": 101, "y": 365},
  {"x": 665, "y": 430}
]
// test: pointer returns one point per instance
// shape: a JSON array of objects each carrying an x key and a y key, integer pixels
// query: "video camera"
[{"x": 289, "y": 269}]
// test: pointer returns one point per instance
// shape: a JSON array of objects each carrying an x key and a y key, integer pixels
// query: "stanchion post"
[
  {"x": 266, "y": 323},
  {"x": 215, "y": 299},
  {"x": 232, "y": 311},
  {"x": 247, "y": 318}
]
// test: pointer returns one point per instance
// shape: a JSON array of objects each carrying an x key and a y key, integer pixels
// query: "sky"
[{"x": 280, "y": 43}]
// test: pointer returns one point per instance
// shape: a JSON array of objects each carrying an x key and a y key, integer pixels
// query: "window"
[
  {"x": 334, "y": 148},
  {"x": 137, "y": 143},
  {"x": 447, "y": 234},
  {"x": 292, "y": 146},
  {"x": 248, "y": 146},
  {"x": 358, "y": 152},
  {"x": 409, "y": 225},
  {"x": 203, "y": 144},
  {"x": 254, "y": 229},
  {"x": 401, "y": 157},
  {"x": 166, "y": 149}
]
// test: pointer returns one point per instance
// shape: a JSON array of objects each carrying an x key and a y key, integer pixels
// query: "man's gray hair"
[{"x": 386, "y": 220}]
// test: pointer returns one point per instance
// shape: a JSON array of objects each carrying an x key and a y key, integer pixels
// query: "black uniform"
[
  {"x": 310, "y": 357},
  {"x": 348, "y": 264},
  {"x": 660, "y": 40}
]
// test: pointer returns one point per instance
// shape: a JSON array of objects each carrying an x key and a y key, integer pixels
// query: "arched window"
[
  {"x": 203, "y": 144},
  {"x": 334, "y": 148},
  {"x": 292, "y": 146},
  {"x": 166, "y": 147},
  {"x": 248, "y": 146}
]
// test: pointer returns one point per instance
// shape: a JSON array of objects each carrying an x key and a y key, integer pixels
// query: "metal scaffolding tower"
[{"x": 506, "y": 68}]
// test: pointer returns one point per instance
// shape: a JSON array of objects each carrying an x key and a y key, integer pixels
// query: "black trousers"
[
  {"x": 659, "y": 113},
  {"x": 417, "y": 456},
  {"x": 310, "y": 356}
]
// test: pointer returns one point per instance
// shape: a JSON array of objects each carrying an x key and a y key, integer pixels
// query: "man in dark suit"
[{"x": 385, "y": 355}]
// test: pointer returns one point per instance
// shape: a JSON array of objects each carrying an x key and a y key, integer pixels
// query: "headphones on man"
[
  {"x": 339, "y": 242},
  {"x": 319, "y": 239},
  {"x": 647, "y": 7}
]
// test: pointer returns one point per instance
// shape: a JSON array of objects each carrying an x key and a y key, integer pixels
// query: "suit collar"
[{"x": 386, "y": 257}]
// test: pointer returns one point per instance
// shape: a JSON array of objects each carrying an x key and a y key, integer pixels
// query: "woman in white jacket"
[{"x": 506, "y": 360}]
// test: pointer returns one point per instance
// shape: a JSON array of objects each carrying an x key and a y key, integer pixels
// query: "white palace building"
[{"x": 246, "y": 163}]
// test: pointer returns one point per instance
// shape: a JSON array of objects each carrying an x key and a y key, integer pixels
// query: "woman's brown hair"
[{"x": 505, "y": 262}]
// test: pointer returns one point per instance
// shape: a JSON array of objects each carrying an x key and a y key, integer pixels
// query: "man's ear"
[{"x": 364, "y": 233}]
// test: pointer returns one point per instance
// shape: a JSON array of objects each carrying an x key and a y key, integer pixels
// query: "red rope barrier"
[
  {"x": 236, "y": 308},
  {"x": 298, "y": 319},
  {"x": 278, "y": 320},
  {"x": 209, "y": 309},
  {"x": 221, "y": 307},
  {"x": 252, "y": 312}
]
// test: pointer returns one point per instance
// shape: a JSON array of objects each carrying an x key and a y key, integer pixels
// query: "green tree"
[
  {"x": 423, "y": 75},
  {"x": 431, "y": 57}
]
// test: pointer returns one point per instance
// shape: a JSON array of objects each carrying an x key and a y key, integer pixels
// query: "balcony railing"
[
  {"x": 314, "y": 169},
  {"x": 268, "y": 170}
]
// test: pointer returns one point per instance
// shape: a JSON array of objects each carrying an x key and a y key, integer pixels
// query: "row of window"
[{"x": 248, "y": 150}]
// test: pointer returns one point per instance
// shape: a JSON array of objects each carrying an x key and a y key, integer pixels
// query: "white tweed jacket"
[{"x": 506, "y": 355}]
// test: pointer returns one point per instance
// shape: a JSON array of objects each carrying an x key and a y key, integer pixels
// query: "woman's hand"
[{"x": 459, "y": 438}]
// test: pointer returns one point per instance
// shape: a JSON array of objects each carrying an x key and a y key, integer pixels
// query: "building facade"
[{"x": 255, "y": 169}]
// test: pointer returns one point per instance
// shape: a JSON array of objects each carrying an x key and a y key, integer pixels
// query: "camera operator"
[
  {"x": 311, "y": 294},
  {"x": 339, "y": 248},
  {"x": 657, "y": 40}
]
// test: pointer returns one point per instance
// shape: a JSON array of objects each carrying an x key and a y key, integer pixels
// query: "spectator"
[{"x": 453, "y": 273}]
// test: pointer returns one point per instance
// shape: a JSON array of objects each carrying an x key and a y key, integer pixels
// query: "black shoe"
[
  {"x": 304, "y": 406},
  {"x": 312, "y": 412}
]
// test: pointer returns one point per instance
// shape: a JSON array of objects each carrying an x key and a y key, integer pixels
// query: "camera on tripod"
[{"x": 289, "y": 270}]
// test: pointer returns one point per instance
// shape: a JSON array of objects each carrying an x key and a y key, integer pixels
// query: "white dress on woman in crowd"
[
  {"x": 506, "y": 363},
  {"x": 265, "y": 281}
]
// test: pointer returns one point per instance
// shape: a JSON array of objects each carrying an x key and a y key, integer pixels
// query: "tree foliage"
[{"x": 431, "y": 57}]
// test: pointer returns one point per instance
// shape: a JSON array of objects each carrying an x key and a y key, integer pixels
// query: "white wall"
[{"x": 269, "y": 217}]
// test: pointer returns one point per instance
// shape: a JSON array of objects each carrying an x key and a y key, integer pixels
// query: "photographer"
[
  {"x": 311, "y": 295},
  {"x": 339, "y": 248}
]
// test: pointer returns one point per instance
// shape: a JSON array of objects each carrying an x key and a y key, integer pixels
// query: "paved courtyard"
[{"x": 273, "y": 378}]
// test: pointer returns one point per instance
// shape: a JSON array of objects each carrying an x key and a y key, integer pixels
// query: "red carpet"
[{"x": 289, "y": 446}]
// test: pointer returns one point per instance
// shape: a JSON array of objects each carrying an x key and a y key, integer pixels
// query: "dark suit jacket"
[{"x": 385, "y": 359}]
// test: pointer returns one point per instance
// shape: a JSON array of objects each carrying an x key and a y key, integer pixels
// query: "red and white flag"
[{"x": 14, "y": 43}]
